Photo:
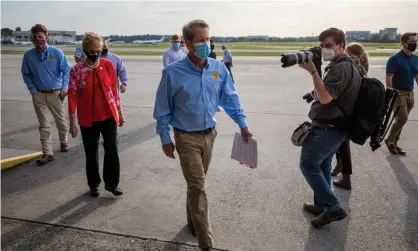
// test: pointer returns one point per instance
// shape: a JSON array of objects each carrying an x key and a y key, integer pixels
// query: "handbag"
[{"x": 301, "y": 133}]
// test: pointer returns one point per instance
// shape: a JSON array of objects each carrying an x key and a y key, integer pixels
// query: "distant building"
[
  {"x": 257, "y": 38},
  {"x": 391, "y": 32},
  {"x": 54, "y": 37},
  {"x": 358, "y": 35}
]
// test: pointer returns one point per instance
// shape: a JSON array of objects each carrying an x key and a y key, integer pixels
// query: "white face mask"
[{"x": 327, "y": 54}]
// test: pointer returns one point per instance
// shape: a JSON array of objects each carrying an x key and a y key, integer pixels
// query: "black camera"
[{"x": 301, "y": 57}]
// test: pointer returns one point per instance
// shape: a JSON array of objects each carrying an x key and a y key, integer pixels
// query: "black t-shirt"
[{"x": 212, "y": 55}]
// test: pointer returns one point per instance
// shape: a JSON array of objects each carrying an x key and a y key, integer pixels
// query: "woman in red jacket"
[{"x": 93, "y": 93}]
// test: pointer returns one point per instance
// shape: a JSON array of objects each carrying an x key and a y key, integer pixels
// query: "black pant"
[
  {"x": 228, "y": 66},
  {"x": 344, "y": 157},
  {"x": 111, "y": 166}
]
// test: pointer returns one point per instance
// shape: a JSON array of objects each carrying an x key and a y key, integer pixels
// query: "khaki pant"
[
  {"x": 405, "y": 103},
  {"x": 195, "y": 152},
  {"x": 43, "y": 104}
]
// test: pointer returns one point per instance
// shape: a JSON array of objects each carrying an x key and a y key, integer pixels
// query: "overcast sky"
[{"x": 234, "y": 18}]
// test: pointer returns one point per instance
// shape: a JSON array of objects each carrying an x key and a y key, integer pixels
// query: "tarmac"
[
  {"x": 48, "y": 208},
  {"x": 120, "y": 48}
]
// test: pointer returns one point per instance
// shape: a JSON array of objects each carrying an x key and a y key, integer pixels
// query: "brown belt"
[
  {"x": 48, "y": 91},
  {"x": 206, "y": 131}
]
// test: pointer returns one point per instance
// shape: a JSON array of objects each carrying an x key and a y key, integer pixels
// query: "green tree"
[
  {"x": 6, "y": 32},
  {"x": 18, "y": 29}
]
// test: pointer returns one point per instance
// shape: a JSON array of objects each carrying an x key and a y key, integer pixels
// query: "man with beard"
[
  {"x": 120, "y": 68},
  {"x": 45, "y": 71}
]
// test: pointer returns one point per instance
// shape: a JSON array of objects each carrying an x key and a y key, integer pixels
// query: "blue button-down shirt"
[
  {"x": 171, "y": 55},
  {"x": 119, "y": 66},
  {"x": 45, "y": 70},
  {"x": 188, "y": 97},
  {"x": 227, "y": 56},
  {"x": 403, "y": 68}
]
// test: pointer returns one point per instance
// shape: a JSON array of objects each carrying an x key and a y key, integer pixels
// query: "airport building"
[
  {"x": 358, "y": 35},
  {"x": 54, "y": 37},
  {"x": 390, "y": 32}
]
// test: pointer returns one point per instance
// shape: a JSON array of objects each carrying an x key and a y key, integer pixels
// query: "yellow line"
[{"x": 11, "y": 162}]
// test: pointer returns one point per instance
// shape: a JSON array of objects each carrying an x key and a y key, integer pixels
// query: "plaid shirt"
[{"x": 79, "y": 52}]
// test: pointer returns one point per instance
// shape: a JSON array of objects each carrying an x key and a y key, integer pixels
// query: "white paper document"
[{"x": 245, "y": 152}]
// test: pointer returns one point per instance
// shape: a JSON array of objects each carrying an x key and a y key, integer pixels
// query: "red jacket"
[{"x": 80, "y": 90}]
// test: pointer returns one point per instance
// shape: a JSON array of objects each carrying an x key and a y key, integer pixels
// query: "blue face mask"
[
  {"x": 176, "y": 45},
  {"x": 202, "y": 50}
]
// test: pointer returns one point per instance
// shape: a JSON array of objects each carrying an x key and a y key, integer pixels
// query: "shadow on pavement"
[
  {"x": 70, "y": 213},
  {"x": 29, "y": 176},
  {"x": 181, "y": 237},
  {"x": 331, "y": 237},
  {"x": 410, "y": 187}
]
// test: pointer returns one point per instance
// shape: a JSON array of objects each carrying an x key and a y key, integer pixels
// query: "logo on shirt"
[
  {"x": 215, "y": 75},
  {"x": 51, "y": 57}
]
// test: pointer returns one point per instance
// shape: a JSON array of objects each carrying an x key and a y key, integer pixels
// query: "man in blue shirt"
[
  {"x": 45, "y": 71},
  {"x": 120, "y": 68},
  {"x": 227, "y": 59},
  {"x": 187, "y": 99},
  {"x": 401, "y": 70},
  {"x": 174, "y": 53}
]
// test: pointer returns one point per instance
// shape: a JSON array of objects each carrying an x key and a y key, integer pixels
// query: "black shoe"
[
  {"x": 400, "y": 151},
  {"x": 114, "y": 190},
  {"x": 313, "y": 209},
  {"x": 206, "y": 249},
  {"x": 94, "y": 192},
  {"x": 328, "y": 217}
]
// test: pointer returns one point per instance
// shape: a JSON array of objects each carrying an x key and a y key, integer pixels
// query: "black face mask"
[
  {"x": 212, "y": 47},
  {"x": 104, "y": 52},
  {"x": 92, "y": 57},
  {"x": 412, "y": 47}
]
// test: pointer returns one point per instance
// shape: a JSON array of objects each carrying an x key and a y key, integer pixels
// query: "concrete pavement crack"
[{"x": 103, "y": 232}]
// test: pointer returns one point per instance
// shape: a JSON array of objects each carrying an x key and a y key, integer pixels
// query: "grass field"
[{"x": 237, "y": 53}]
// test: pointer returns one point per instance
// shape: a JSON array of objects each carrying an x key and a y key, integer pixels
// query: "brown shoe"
[
  {"x": 328, "y": 217},
  {"x": 313, "y": 209},
  {"x": 391, "y": 146},
  {"x": 64, "y": 147},
  {"x": 337, "y": 169},
  {"x": 45, "y": 159},
  {"x": 342, "y": 183},
  {"x": 400, "y": 151}
]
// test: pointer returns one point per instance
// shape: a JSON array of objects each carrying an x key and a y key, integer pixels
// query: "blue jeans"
[{"x": 315, "y": 163}]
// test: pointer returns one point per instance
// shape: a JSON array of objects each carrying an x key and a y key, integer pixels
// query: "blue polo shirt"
[{"x": 403, "y": 68}]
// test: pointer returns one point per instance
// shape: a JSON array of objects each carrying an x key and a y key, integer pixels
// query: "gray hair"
[{"x": 187, "y": 29}]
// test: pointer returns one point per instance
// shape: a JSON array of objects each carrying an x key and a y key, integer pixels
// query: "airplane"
[
  {"x": 20, "y": 42},
  {"x": 153, "y": 41}
]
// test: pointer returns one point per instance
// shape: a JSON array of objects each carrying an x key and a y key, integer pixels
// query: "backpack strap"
[{"x": 344, "y": 59}]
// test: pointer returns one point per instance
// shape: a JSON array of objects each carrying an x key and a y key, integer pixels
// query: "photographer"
[{"x": 341, "y": 82}]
